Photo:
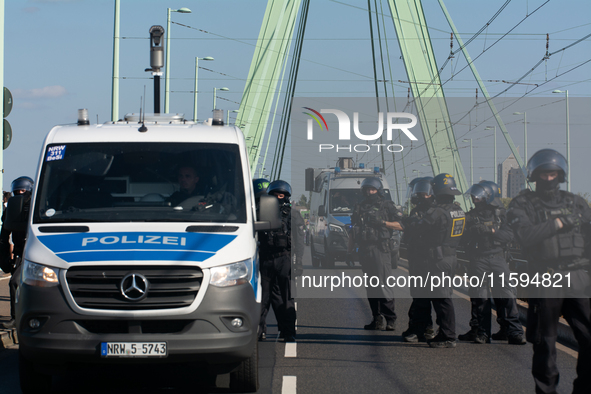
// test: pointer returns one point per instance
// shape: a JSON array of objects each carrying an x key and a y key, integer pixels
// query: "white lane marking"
[
  {"x": 559, "y": 346},
  {"x": 291, "y": 349},
  {"x": 289, "y": 385}
]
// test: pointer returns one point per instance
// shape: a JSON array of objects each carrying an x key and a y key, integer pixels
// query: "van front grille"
[{"x": 99, "y": 287}]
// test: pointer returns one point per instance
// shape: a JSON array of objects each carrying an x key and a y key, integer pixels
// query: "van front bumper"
[{"x": 204, "y": 336}]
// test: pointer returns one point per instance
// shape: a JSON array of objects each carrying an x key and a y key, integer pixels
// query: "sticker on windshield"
[{"x": 55, "y": 152}]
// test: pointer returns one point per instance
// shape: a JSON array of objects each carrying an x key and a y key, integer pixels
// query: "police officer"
[
  {"x": 275, "y": 256},
  {"x": 22, "y": 189},
  {"x": 420, "y": 325},
  {"x": 372, "y": 220},
  {"x": 500, "y": 335},
  {"x": 260, "y": 186},
  {"x": 443, "y": 228},
  {"x": 486, "y": 237},
  {"x": 552, "y": 227}
]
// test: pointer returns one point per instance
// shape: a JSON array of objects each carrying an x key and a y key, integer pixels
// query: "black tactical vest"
[
  {"x": 278, "y": 241},
  {"x": 565, "y": 246},
  {"x": 368, "y": 215},
  {"x": 450, "y": 234},
  {"x": 413, "y": 234},
  {"x": 490, "y": 219}
]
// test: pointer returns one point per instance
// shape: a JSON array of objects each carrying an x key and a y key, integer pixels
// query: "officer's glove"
[
  {"x": 7, "y": 265},
  {"x": 569, "y": 222}
]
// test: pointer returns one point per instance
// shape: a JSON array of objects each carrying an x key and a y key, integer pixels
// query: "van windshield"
[
  {"x": 141, "y": 182},
  {"x": 344, "y": 200}
]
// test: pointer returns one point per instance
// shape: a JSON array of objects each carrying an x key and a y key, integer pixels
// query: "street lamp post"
[
  {"x": 524, "y": 140},
  {"x": 195, "y": 94},
  {"x": 567, "y": 141},
  {"x": 228, "y": 115},
  {"x": 214, "y": 90},
  {"x": 471, "y": 161},
  {"x": 495, "y": 152},
  {"x": 115, "y": 88},
  {"x": 182, "y": 10}
]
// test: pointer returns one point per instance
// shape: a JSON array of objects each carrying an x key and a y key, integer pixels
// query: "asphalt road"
[{"x": 333, "y": 353}]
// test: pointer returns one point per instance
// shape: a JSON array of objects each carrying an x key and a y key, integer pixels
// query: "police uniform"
[
  {"x": 552, "y": 227},
  {"x": 419, "y": 313},
  {"x": 260, "y": 186},
  {"x": 15, "y": 227},
  {"x": 443, "y": 227},
  {"x": 276, "y": 264},
  {"x": 487, "y": 236},
  {"x": 374, "y": 241}
]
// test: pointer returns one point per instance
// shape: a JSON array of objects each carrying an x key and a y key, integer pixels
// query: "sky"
[{"x": 58, "y": 58}]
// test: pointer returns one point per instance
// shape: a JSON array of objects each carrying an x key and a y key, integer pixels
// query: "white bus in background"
[{"x": 334, "y": 192}]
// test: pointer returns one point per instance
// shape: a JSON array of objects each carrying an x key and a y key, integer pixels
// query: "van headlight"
[
  {"x": 231, "y": 274},
  {"x": 334, "y": 227},
  {"x": 35, "y": 274}
]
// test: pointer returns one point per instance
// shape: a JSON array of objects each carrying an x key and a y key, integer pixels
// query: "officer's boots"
[
  {"x": 470, "y": 335},
  {"x": 501, "y": 335},
  {"x": 377, "y": 323}
]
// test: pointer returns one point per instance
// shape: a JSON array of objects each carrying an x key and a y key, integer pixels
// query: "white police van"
[
  {"x": 116, "y": 271},
  {"x": 334, "y": 193}
]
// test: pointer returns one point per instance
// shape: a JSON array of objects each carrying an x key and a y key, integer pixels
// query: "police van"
[
  {"x": 334, "y": 193},
  {"x": 116, "y": 272}
]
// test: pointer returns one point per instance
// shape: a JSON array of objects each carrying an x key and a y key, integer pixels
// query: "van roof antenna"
[{"x": 143, "y": 127}]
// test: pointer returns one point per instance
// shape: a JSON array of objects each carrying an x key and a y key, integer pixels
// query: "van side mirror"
[
  {"x": 16, "y": 218},
  {"x": 321, "y": 211},
  {"x": 268, "y": 216},
  {"x": 309, "y": 180}
]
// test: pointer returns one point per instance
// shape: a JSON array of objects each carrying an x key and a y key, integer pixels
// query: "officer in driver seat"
[{"x": 188, "y": 178}]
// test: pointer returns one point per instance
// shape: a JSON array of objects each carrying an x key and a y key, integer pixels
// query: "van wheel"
[
  {"x": 314, "y": 256},
  {"x": 31, "y": 380},
  {"x": 395, "y": 258},
  {"x": 245, "y": 378}
]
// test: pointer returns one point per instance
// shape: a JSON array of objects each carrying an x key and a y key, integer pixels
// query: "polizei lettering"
[
  {"x": 135, "y": 239},
  {"x": 457, "y": 214}
]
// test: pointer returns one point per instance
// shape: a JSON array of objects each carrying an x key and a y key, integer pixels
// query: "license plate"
[{"x": 133, "y": 349}]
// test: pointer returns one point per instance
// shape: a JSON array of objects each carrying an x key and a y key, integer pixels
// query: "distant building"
[
  {"x": 511, "y": 179},
  {"x": 515, "y": 182}
]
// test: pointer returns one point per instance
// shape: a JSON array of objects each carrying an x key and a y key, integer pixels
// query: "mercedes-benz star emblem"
[{"x": 134, "y": 287}]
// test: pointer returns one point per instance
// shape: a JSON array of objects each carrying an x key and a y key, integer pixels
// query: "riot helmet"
[
  {"x": 422, "y": 191},
  {"x": 496, "y": 190},
  {"x": 546, "y": 160},
  {"x": 480, "y": 193},
  {"x": 23, "y": 183},
  {"x": 260, "y": 186},
  {"x": 410, "y": 187},
  {"x": 371, "y": 182},
  {"x": 279, "y": 186},
  {"x": 444, "y": 184}
]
